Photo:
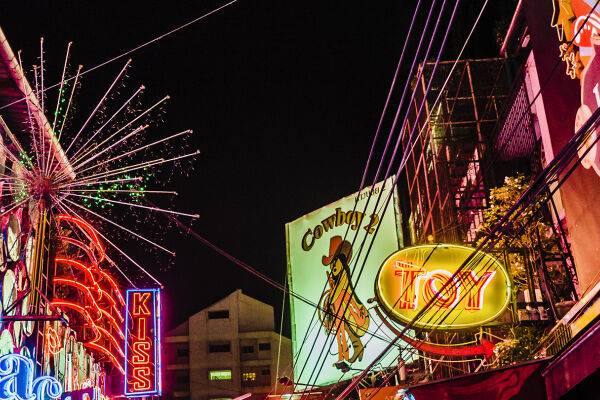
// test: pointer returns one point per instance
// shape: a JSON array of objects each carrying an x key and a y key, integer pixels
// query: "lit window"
[
  {"x": 249, "y": 376},
  {"x": 220, "y": 375}
]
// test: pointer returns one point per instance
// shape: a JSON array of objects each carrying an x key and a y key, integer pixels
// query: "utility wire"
[
  {"x": 407, "y": 39},
  {"x": 540, "y": 184},
  {"x": 358, "y": 254},
  {"x": 118, "y": 57}
]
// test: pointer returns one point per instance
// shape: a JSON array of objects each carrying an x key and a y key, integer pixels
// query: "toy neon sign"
[
  {"x": 414, "y": 276},
  {"x": 17, "y": 383},
  {"x": 142, "y": 352}
]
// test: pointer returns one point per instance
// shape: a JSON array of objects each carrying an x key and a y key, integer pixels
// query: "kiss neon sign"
[
  {"x": 415, "y": 276},
  {"x": 17, "y": 383},
  {"x": 142, "y": 350}
]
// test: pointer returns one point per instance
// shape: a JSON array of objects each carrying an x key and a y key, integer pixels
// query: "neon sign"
[
  {"x": 17, "y": 383},
  {"x": 142, "y": 352},
  {"x": 91, "y": 393},
  {"x": 99, "y": 301},
  {"x": 411, "y": 278}
]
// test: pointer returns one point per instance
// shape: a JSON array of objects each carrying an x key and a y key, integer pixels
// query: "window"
[
  {"x": 221, "y": 314},
  {"x": 219, "y": 375},
  {"x": 219, "y": 348},
  {"x": 247, "y": 349},
  {"x": 182, "y": 379},
  {"x": 249, "y": 376},
  {"x": 264, "y": 346},
  {"x": 265, "y": 372}
]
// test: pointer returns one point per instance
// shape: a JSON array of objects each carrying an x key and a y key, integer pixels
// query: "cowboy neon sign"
[
  {"x": 142, "y": 352},
  {"x": 411, "y": 278},
  {"x": 17, "y": 383}
]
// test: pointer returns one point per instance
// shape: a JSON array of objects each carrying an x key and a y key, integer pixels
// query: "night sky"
[{"x": 284, "y": 98}]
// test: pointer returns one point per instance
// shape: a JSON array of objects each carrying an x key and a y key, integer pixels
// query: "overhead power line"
[{"x": 126, "y": 53}]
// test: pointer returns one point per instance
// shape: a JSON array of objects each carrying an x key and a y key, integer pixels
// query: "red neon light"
[
  {"x": 89, "y": 229},
  {"x": 82, "y": 246},
  {"x": 409, "y": 275},
  {"x": 80, "y": 286},
  {"x": 477, "y": 286},
  {"x": 112, "y": 339},
  {"x": 114, "y": 322},
  {"x": 112, "y": 283},
  {"x": 113, "y": 303},
  {"x": 104, "y": 350},
  {"x": 80, "y": 309},
  {"x": 52, "y": 341},
  {"x": 104, "y": 300},
  {"x": 445, "y": 298},
  {"x": 79, "y": 266}
]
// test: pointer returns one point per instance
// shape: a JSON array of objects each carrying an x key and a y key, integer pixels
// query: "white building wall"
[{"x": 234, "y": 323}]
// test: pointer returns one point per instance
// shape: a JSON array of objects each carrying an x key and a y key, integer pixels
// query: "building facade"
[
  {"x": 226, "y": 350},
  {"x": 447, "y": 186}
]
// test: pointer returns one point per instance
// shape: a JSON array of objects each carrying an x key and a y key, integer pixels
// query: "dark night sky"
[{"x": 284, "y": 98}]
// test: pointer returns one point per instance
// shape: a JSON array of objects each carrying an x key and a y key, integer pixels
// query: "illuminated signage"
[
  {"x": 142, "y": 352},
  {"x": 91, "y": 393},
  {"x": 17, "y": 383},
  {"x": 414, "y": 276},
  {"x": 323, "y": 248},
  {"x": 579, "y": 20}
]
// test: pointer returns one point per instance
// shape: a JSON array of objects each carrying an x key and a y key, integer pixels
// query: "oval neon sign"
[{"x": 411, "y": 277}]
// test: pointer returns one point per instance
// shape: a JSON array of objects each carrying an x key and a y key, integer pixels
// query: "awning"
[
  {"x": 578, "y": 361},
  {"x": 516, "y": 382}
]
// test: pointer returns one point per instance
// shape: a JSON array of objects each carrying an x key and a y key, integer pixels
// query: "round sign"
[{"x": 412, "y": 277}]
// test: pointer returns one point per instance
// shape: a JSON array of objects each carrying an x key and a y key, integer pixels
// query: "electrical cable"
[
  {"x": 554, "y": 167},
  {"x": 538, "y": 93},
  {"x": 384, "y": 111},
  {"x": 381, "y": 119},
  {"x": 118, "y": 57},
  {"x": 387, "y": 173},
  {"x": 326, "y": 343},
  {"x": 525, "y": 111}
]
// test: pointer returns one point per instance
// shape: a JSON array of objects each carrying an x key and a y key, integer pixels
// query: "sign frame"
[{"x": 402, "y": 319}]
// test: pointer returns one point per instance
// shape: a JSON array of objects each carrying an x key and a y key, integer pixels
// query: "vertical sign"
[{"x": 142, "y": 351}]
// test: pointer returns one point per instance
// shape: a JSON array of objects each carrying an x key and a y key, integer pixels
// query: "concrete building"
[{"x": 226, "y": 350}]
